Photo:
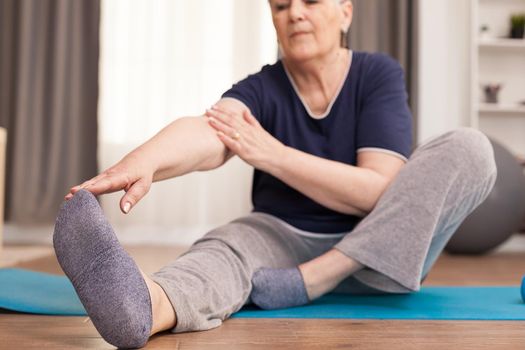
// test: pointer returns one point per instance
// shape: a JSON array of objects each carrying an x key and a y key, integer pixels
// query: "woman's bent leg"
[{"x": 444, "y": 181}]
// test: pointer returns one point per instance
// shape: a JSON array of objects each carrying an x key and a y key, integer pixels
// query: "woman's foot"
[
  {"x": 108, "y": 282},
  {"x": 281, "y": 288},
  {"x": 278, "y": 288}
]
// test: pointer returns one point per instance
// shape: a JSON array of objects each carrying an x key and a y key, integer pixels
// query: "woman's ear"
[{"x": 348, "y": 13}]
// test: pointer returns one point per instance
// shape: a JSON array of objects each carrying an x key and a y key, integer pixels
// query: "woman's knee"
[
  {"x": 478, "y": 146},
  {"x": 471, "y": 151}
]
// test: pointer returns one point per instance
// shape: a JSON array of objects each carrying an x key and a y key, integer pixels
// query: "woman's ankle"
[
  {"x": 324, "y": 273},
  {"x": 163, "y": 313}
]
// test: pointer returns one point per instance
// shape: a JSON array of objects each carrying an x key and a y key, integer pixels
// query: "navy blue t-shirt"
[{"x": 370, "y": 112}]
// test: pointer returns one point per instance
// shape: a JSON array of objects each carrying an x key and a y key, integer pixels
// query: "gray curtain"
[
  {"x": 389, "y": 26},
  {"x": 48, "y": 101}
]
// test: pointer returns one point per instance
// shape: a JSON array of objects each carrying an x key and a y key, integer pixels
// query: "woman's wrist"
[
  {"x": 143, "y": 163},
  {"x": 277, "y": 161}
]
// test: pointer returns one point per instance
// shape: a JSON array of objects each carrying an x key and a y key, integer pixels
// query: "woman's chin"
[{"x": 300, "y": 53}]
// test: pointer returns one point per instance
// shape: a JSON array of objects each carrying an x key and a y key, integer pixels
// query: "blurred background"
[{"x": 83, "y": 82}]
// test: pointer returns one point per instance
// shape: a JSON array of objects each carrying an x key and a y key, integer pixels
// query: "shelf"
[
  {"x": 501, "y": 108},
  {"x": 502, "y": 43},
  {"x": 495, "y": 58}
]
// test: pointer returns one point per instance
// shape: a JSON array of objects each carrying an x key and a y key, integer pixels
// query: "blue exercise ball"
[{"x": 500, "y": 215}]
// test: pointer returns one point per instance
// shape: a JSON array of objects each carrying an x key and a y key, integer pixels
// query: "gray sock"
[
  {"x": 278, "y": 288},
  {"x": 105, "y": 277}
]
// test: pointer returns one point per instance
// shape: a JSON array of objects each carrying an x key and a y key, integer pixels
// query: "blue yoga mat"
[
  {"x": 42, "y": 293},
  {"x": 38, "y": 293}
]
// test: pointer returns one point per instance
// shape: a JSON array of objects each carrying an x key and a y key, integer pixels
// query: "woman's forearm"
[
  {"x": 341, "y": 187},
  {"x": 185, "y": 145},
  {"x": 338, "y": 186}
]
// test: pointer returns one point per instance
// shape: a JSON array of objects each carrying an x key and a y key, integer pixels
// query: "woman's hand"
[
  {"x": 131, "y": 174},
  {"x": 244, "y": 136}
]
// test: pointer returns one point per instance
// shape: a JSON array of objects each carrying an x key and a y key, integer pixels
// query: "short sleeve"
[
  {"x": 248, "y": 91},
  {"x": 384, "y": 121}
]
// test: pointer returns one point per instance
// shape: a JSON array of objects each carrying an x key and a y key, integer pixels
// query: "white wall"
[
  {"x": 444, "y": 73},
  {"x": 161, "y": 60}
]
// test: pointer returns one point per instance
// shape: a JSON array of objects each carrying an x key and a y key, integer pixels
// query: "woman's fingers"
[
  {"x": 74, "y": 190},
  {"x": 101, "y": 184},
  {"x": 108, "y": 184},
  {"x": 134, "y": 194},
  {"x": 115, "y": 182},
  {"x": 219, "y": 125},
  {"x": 224, "y": 118},
  {"x": 85, "y": 184},
  {"x": 250, "y": 118},
  {"x": 229, "y": 142}
]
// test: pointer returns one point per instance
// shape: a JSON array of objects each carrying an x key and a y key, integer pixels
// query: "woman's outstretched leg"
[
  {"x": 196, "y": 292},
  {"x": 212, "y": 280}
]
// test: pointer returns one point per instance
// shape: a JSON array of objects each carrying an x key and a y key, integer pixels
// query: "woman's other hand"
[
  {"x": 131, "y": 174},
  {"x": 244, "y": 136}
]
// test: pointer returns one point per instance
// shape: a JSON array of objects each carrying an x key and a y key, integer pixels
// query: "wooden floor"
[{"x": 21, "y": 331}]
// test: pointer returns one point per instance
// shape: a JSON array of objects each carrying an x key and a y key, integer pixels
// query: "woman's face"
[{"x": 310, "y": 28}]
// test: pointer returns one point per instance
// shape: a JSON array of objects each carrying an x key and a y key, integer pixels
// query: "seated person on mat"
[{"x": 338, "y": 206}]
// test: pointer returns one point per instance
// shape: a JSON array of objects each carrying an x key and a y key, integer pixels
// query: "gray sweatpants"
[{"x": 398, "y": 242}]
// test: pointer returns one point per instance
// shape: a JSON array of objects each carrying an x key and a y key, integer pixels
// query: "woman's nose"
[{"x": 296, "y": 10}]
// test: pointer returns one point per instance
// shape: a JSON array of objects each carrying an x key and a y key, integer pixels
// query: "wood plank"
[{"x": 15, "y": 254}]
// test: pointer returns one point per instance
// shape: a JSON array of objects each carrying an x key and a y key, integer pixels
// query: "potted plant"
[
  {"x": 517, "y": 28},
  {"x": 491, "y": 91}
]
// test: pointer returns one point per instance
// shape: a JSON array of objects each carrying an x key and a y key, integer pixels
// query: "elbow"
[
  {"x": 214, "y": 153},
  {"x": 364, "y": 209},
  {"x": 214, "y": 161}
]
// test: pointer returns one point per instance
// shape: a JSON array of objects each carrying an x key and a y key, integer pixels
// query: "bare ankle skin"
[
  {"x": 325, "y": 272},
  {"x": 163, "y": 314}
]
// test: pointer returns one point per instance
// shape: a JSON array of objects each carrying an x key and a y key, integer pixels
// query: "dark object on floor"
[{"x": 500, "y": 215}]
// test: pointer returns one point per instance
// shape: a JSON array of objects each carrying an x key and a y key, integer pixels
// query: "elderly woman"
[{"x": 338, "y": 206}]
